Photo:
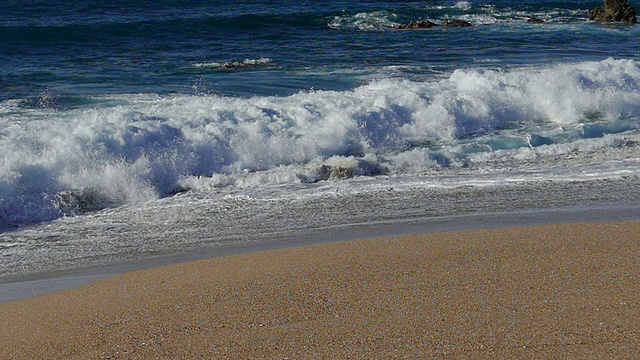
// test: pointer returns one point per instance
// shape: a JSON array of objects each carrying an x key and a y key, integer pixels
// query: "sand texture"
[{"x": 559, "y": 291}]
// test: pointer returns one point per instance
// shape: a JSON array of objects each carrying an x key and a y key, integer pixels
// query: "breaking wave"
[{"x": 134, "y": 148}]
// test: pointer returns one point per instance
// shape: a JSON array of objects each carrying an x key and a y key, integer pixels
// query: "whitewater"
[{"x": 192, "y": 150}]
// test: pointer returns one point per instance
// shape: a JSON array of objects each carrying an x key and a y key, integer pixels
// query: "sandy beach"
[{"x": 552, "y": 291}]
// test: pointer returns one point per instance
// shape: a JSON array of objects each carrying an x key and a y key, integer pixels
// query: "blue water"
[
  {"x": 140, "y": 113},
  {"x": 85, "y": 48}
]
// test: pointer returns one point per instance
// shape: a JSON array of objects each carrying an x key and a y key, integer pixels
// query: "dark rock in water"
[
  {"x": 344, "y": 168},
  {"x": 614, "y": 11},
  {"x": 232, "y": 65},
  {"x": 535, "y": 20},
  {"x": 426, "y": 24},
  {"x": 420, "y": 24},
  {"x": 328, "y": 172},
  {"x": 455, "y": 23}
]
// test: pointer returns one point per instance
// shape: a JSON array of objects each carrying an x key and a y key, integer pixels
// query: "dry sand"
[{"x": 560, "y": 291}]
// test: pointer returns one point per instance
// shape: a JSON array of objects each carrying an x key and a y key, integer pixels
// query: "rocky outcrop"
[
  {"x": 614, "y": 11},
  {"x": 426, "y": 24},
  {"x": 455, "y": 23},
  {"x": 420, "y": 24}
]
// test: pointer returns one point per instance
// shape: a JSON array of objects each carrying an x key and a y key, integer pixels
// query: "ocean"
[{"x": 133, "y": 129}]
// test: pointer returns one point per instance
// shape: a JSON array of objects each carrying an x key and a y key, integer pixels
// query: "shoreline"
[
  {"x": 37, "y": 284},
  {"x": 543, "y": 291},
  {"x": 183, "y": 228}
]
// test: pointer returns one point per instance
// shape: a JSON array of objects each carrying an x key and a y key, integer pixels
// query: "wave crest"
[{"x": 141, "y": 147}]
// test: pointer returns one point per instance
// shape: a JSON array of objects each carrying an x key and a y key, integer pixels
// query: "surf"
[{"x": 131, "y": 148}]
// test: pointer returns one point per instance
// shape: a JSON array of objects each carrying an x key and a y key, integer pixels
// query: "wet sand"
[{"x": 552, "y": 291}]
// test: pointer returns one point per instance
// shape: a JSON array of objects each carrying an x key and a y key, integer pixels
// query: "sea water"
[{"x": 131, "y": 129}]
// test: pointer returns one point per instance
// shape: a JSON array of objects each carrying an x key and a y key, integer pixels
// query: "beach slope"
[{"x": 551, "y": 291}]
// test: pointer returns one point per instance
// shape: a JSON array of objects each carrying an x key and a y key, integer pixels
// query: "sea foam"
[
  {"x": 136, "y": 148},
  {"x": 376, "y": 20}
]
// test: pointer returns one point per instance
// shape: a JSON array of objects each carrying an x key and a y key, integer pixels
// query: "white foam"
[
  {"x": 462, "y": 5},
  {"x": 233, "y": 64},
  {"x": 486, "y": 14},
  {"x": 63, "y": 162},
  {"x": 376, "y": 20}
]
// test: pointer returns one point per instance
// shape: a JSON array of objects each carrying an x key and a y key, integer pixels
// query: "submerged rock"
[
  {"x": 420, "y": 24},
  {"x": 426, "y": 24},
  {"x": 535, "y": 20},
  {"x": 233, "y": 65},
  {"x": 340, "y": 167},
  {"x": 455, "y": 23},
  {"x": 614, "y": 11}
]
